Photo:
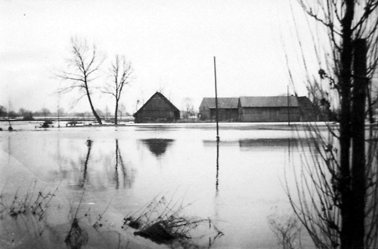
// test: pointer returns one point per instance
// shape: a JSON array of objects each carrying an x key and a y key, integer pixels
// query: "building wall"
[
  {"x": 205, "y": 113},
  {"x": 147, "y": 116},
  {"x": 266, "y": 114},
  {"x": 230, "y": 115}
]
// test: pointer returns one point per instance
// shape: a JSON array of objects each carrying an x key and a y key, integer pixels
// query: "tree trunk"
[
  {"x": 116, "y": 113},
  {"x": 347, "y": 226},
  {"x": 92, "y": 108},
  {"x": 358, "y": 149}
]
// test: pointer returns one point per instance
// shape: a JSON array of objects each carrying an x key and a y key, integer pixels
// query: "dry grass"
[
  {"x": 33, "y": 202},
  {"x": 287, "y": 229},
  {"x": 163, "y": 222}
]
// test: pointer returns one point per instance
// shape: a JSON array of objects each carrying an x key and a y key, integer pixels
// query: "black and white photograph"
[{"x": 189, "y": 124}]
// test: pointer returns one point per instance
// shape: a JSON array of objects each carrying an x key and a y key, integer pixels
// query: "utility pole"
[{"x": 216, "y": 98}]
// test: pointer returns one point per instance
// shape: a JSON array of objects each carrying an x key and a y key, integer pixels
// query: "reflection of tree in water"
[
  {"x": 119, "y": 164},
  {"x": 85, "y": 170},
  {"x": 78, "y": 171},
  {"x": 84, "y": 179},
  {"x": 157, "y": 146}
]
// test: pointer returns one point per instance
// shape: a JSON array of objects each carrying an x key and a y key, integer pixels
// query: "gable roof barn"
[
  {"x": 157, "y": 109},
  {"x": 269, "y": 101},
  {"x": 227, "y": 109}
]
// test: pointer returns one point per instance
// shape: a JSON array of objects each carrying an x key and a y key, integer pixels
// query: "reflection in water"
[
  {"x": 83, "y": 166},
  {"x": 224, "y": 143},
  {"x": 85, "y": 171},
  {"x": 217, "y": 164},
  {"x": 157, "y": 146},
  {"x": 127, "y": 179},
  {"x": 109, "y": 164},
  {"x": 117, "y": 154},
  {"x": 247, "y": 144},
  {"x": 83, "y": 180}
]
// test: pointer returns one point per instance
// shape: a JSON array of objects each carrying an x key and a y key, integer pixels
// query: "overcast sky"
[{"x": 170, "y": 43}]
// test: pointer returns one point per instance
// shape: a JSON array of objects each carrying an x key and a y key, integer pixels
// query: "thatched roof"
[
  {"x": 223, "y": 103},
  {"x": 269, "y": 101}
]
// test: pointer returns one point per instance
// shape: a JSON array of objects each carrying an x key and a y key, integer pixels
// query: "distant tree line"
[
  {"x": 25, "y": 114},
  {"x": 29, "y": 115}
]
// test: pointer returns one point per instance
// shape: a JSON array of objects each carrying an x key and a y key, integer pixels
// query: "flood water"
[{"x": 236, "y": 184}]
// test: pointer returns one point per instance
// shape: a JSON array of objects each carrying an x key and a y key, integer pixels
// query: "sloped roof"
[
  {"x": 269, "y": 101},
  {"x": 158, "y": 94},
  {"x": 305, "y": 103},
  {"x": 223, "y": 103}
]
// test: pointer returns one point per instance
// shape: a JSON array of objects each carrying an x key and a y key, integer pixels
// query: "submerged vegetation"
[
  {"x": 163, "y": 222},
  {"x": 33, "y": 202},
  {"x": 29, "y": 218},
  {"x": 286, "y": 228}
]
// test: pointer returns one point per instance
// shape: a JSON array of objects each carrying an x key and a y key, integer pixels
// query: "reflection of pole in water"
[
  {"x": 216, "y": 200},
  {"x": 217, "y": 165}
]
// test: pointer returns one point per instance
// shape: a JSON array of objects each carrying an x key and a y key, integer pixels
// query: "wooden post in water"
[{"x": 216, "y": 98}]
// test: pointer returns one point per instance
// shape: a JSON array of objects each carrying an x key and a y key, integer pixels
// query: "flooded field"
[{"x": 100, "y": 175}]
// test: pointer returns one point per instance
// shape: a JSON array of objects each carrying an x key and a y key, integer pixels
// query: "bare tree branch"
[
  {"x": 82, "y": 66},
  {"x": 328, "y": 183},
  {"x": 121, "y": 74}
]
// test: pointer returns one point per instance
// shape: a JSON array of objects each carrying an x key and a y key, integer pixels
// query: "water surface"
[{"x": 236, "y": 183}]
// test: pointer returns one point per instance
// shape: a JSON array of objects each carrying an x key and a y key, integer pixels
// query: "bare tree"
[
  {"x": 82, "y": 66},
  {"x": 188, "y": 107},
  {"x": 107, "y": 113},
  {"x": 122, "y": 110},
  {"x": 60, "y": 111},
  {"x": 26, "y": 114},
  {"x": 3, "y": 111},
  {"x": 337, "y": 190},
  {"x": 121, "y": 73},
  {"x": 45, "y": 112}
]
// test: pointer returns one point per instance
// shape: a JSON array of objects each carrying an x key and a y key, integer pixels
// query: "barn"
[
  {"x": 269, "y": 109},
  {"x": 309, "y": 112},
  {"x": 227, "y": 109},
  {"x": 158, "y": 109},
  {"x": 261, "y": 109}
]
